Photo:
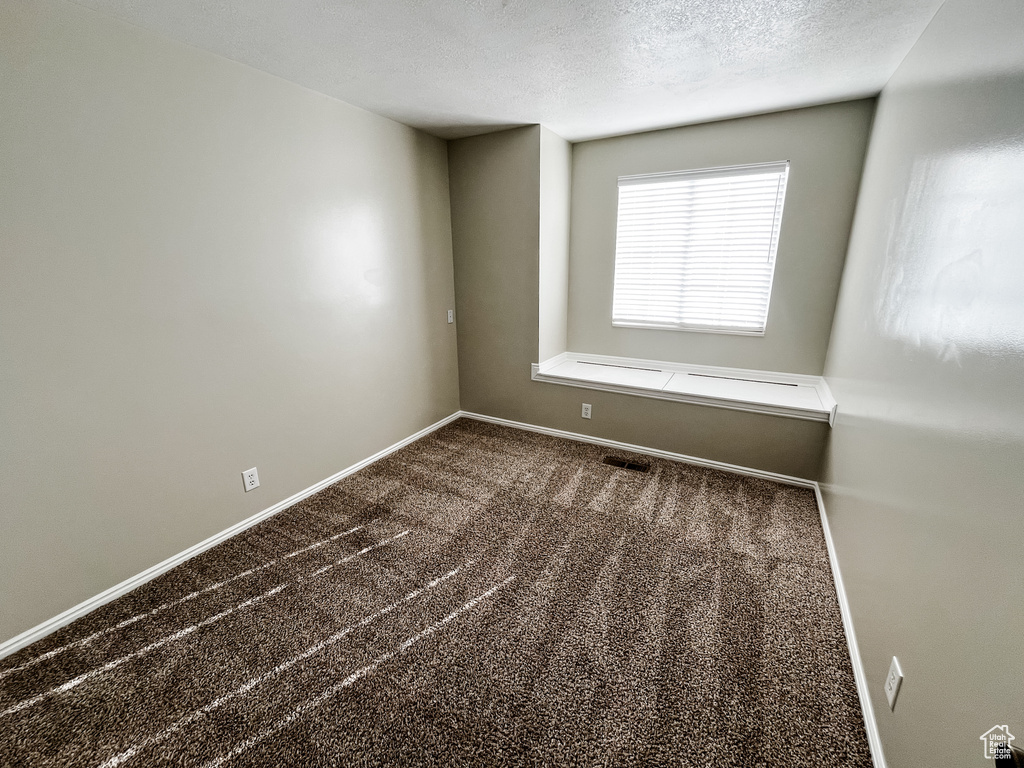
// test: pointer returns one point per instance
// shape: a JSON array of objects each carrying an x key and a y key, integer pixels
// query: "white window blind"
[{"x": 696, "y": 250}]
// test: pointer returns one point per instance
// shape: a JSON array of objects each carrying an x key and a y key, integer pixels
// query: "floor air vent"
[{"x": 614, "y": 462}]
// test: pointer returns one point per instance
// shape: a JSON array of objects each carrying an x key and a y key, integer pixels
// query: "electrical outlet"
[
  {"x": 586, "y": 410},
  {"x": 893, "y": 681},
  {"x": 451, "y": 315},
  {"x": 250, "y": 479}
]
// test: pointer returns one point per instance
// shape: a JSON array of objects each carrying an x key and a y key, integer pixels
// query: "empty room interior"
[{"x": 512, "y": 382}]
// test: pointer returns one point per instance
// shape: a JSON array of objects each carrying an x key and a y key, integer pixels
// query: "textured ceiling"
[{"x": 582, "y": 68}]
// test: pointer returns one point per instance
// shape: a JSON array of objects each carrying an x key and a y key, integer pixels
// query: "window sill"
[{"x": 781, "y": 394}]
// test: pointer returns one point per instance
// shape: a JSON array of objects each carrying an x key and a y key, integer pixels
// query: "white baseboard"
[
  {"x": 861, "y": 678},
  {"x": 870, "y": 725},
  {"x": 735, "y": 469},
  {"x": 42, "y": 630}
]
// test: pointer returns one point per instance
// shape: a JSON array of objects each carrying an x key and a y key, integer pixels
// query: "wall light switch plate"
[
  {"x": 451, "y": 315},
  {"x": 586, "y": 410},
  {"x": 893, "y": 681},
  {"x": 250, "y": 479}
]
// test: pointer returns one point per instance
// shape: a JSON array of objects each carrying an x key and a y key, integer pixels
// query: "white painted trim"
[
  {"x": 733, "y": 468},
  {"x": 860, "y": 678},
  {"x": 662, "y": 365},
  {"x": 551, "y": 362},
  {"x": 754, "y": 401},
  {"x": 859, "y": 675},
  {"x": 825, "y": 393},
  {"x": 42, "y": 630}
]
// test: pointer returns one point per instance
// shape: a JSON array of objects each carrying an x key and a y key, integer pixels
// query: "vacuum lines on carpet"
[{"x": 484, "y": 596}]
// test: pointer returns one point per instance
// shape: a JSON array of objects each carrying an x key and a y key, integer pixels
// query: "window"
[{"x": 695, "y": 250}]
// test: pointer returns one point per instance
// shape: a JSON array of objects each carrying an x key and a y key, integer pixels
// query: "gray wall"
[
  {"x": 825, "y": 147},
  {"x": 924, "y": 476},
  {"x": 495, "y": 209},
  {"x": 555, "y": 181},
  {"x": 496, "y": 183},
  {"x": 202, "y": 268}
]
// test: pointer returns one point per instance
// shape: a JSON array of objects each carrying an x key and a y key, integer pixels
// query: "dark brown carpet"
[{"x": 485, "y": 597}]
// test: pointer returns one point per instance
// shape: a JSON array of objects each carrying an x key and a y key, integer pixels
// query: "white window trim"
[
  {"x": 719, "y": 172},
  {"x": 792, "y": 395}
]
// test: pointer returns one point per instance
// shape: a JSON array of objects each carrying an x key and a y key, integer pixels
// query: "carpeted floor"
[{"x": 484, "y": 596}]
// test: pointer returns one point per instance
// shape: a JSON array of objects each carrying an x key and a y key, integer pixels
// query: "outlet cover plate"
[
  {"x": 250, "y": 479},
  {"x": 893, "y": 681},
  {"x": 586, "y": 411}
]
